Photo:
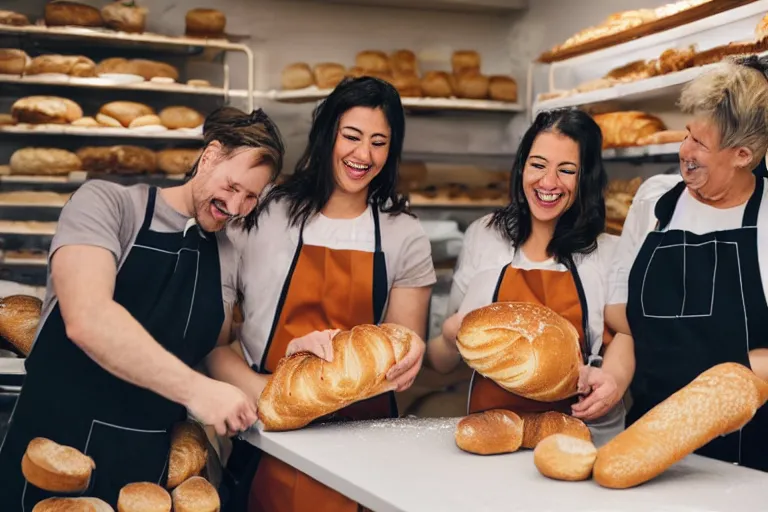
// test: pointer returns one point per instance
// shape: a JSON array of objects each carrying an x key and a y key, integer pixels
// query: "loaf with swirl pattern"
[
  {"x": 525, "y": 348},
  {"x": 305, "y": 387}
]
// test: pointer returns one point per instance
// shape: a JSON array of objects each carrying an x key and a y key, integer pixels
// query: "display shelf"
[
  {"x": 468, "y": 6},
  {"x": 313, "y": 94},
  {"x": 709, "y": 11},
  {"x": 492, "y": 160},
  {"x": 30, "y": 273},
  {"x": 77, "y": 178},
  {"x": 439, "y": 202},
  {"x": 78, "y": 131},
  {"x": 655, "y": 152},
  {"x": 104, "y": 83}
]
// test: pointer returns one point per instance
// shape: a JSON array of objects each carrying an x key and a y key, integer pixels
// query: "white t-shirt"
[
  {"x": 266, "y": 254},
  {"x": 690, "y": 215}
]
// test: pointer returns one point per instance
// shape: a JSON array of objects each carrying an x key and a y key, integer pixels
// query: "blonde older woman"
[{"x": 690, "y": 277}]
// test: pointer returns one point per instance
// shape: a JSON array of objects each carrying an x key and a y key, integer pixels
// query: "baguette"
[
  {"x": 719, "y": 401},
  {"x": 490, "y": 432},
  {"x": 55, "y": 468},
  {"x": 563, "y": 457},
  {"x": 305, "y": 387}
]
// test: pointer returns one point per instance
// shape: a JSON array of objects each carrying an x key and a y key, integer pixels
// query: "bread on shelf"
[
  {"x": 205, "y": 23},
  {"x": 56, "y": 468},
  {"x": 44, "y": 161},
  {"x": 19, "y": 318},
  {"x": 618, "y": 198},
  {"x": 177, "y": 160},
  {"x": 437, "y": 84},
  {"x": 60, "y": 13},
  {"x": 178, "y": 117},
  {"x": 45, "y": 110},
  {"x": 118, "y": 159},
  {"x": 626, "y": 128},
  {"x": 297, "y": 76},
  {"x": 145, "y": 68},
  {"x": 124, "y": 112},
  {"x": 13, "y": 61},
  {"x": 373, "y": 61},
  {"x": 404, "y": 62},
  {"x": 72, "y": 65},
  {"x": 532, "y": 352},
  {"x": 327, "y": 75},
  {"x": 463, "y": 61},
  {"x": 13, "y": 19},
  {"x": 125, "y": 17}
]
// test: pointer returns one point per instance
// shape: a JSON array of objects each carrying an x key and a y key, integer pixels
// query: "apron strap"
[
  {"x": 380, "y": 278},
  {"x": 665, "y": 206},
  {"x": 753, "y": 205},
  {"x": 149, "y": 212},
  {"x": 376, "y": 227},
  {"x": 587, "y": 347}
]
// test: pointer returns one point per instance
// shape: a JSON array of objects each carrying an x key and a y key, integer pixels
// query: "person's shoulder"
[
  {"x": 406, "y": 226},
  {"x": 101, "y": 194},
  {"x": 656, "y": 186}
]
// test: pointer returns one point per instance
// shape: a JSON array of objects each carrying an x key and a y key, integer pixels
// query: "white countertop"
[{"x": 413, "y": 465}]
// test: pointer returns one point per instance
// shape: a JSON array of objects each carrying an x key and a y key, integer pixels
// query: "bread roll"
[
  {"x": 19, "y": 318},
  {"x": 189, "y": 453},
  {"x": 537, "y": 426},
  {"x": 525, "y": 348},
  {"x": 107, "y": 121},
  {"x": 147, "y": 69},
  {"x": 118, "y": 159},
  {"x": 624, "y": 129},
  {"x": 44, "y": 161},
  {"x": 463, "y": 61},
  {"x": 436, "y": 84},
  {"x": 197, "y": 82},
  {"x": 60, "y": 14},
  {"x": 305, "y": 387},
  {"x": 205, "y": 23},
  {"x": 663, "y": 137},
  {"x": 124, "y": 17},
  {"x": 404, "y": 62},
  {"x": 150, "y": 120},
  {"x": 174, "y": 118},
  {"x": 297, "y": 76},
  {"x": 328, "y": 74},
  {"x": 46, "y": 110},
  {"x": 562, "y": 457},
  {"x": 72, "y": 505},
  {"x": 13, "y": 62},
  {"x": 490, "y": 432},
  {"x": 177, "y": 161},
  {"x": 373, "y": 61},
  {"x": 143, "y": 497},
  {"x": 502, "y": 88},
  {"x": 7, "y": 120},
  {"x": 72, "y": 65},
  {"x": 126, "y": 111},
  {"x": 408, "y": 86},
  {"x": 13, "y": 19},
  {"x": 55, "y": 468},
  {"x": 472, "y": 86},
  {"x": 719, "y": 401},
  {"x": 196, "y": 495},
  {"x": 355, "y": 72}
]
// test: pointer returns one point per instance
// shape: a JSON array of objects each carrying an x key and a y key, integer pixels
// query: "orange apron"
[
  {"x": 559, "y": 291},
  {"x": 325, "y": 289}
]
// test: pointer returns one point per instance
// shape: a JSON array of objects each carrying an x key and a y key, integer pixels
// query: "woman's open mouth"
[
  {"x": 219, "y": 211},
  {"x": 356, "y": 170},
  {"x": 547, "y": 199}
]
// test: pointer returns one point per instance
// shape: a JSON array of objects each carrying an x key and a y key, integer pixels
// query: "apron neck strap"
[
  {"x": 150, "y": 210},
  {"x": 753, "y": 205},
  {"x": 665, "y": 206},
  {"x": 376, "y": 227}
]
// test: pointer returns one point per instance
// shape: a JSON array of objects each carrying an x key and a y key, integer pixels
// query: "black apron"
[
  {"x": 696, "y": 301},
  {"x": 171, "y": 284},
  {"x": 244, "y": 458}
]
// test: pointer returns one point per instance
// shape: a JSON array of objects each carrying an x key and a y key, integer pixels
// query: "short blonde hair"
[{"x": 735, "y": 96}]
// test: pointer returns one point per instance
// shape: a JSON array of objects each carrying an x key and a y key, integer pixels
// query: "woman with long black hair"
[
  {"x": 335, "y": 247},
  {"x": 547, "y": 247}
]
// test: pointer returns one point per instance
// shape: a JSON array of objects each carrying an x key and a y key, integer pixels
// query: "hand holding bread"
[{"x": 305, "y": 387}]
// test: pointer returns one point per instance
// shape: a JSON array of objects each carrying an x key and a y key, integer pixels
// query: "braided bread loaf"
[
  {"x": 305, "y": 387},
  {"x": 525, "y": 348}
]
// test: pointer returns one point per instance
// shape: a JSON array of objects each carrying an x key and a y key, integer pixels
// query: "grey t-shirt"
[{"x": 109, "y": 215}]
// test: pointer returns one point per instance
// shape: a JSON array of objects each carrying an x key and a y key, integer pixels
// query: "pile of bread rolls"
[
  {"x": 123, "y": 159},
  {"x": 401, "y": 69},
  {"x": 62, "y": 469},
  {"x": 121, "y": 16},
  {"x": 38, "y": 110}
]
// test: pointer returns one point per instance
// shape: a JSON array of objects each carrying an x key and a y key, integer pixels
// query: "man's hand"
[
  {"x": 404, "y": 373},
  {"x": 317, "y": 342},
  {"x": 451, "y": 328},
  {"x": 600, "y": 390},
  {"x": 221, "y": 405}
]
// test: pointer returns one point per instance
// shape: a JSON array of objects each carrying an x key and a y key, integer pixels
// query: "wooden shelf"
[
  {"x": 78, "y": 131},
  {"x": 467, "y": 6},
  {"x": 419, "y": 201}
]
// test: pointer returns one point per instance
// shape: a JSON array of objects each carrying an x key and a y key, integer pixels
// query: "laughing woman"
[
  {"x": 335, "y": 247},
  {"x": 546, "y": 247}
]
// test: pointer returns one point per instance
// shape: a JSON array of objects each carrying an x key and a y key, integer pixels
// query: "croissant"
[
  {"x": 525, "y": 348},
  {"x": 305, "y": 387}
]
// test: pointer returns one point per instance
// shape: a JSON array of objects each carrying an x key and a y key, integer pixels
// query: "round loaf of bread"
[
  {"x": 143, "y": 497},
  {"x": 297, "y": 76},
  {"x": 196, "y": 495},
  {"x": 55, "y": 468},
  {"x": 205, "y": 23},
  {"x": 118, "y": 159},
  {"x": 125, "y": 17},
  {"x": 73, "y": 65},
  {"x": 562, "y": 457},
  {"x": 502, "y": 88},
  {"x": 44, "y": 161},
  {"x": 125, "y": 111},
  {"x": 150, "y": 120},
  {"x": 88, "y": 122},
  {"x": 538, "y": 426},
  {"x": 525, "y": 348},
  {"x": 472, "y": 86},
  {"x": 490, "y": 432},
  {"x": 19, "y": 318},
  {"x": 175, "y": 118},
  {"x": 46, "y": 109},
  {"x": 13, "y": 19},
  {"x": 373, "y": 61},
  {"x": 61, "y": 14},
  {"x": 463, "y": 61},
  {"x": 177, "y": 160},
  {"x": 436, "y": 84},
  {"x": 12, "y": 61},
  {"x": 72, "y": 505},
  {"x": 328, "y": 74}
]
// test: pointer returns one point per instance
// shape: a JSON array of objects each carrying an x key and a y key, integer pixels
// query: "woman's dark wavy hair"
[
  {"x": 577, "y": 229},
  {"x": 310, "y": 186}
]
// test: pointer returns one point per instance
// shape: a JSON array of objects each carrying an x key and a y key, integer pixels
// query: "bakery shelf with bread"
[{"x": 463, "y": 87}]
